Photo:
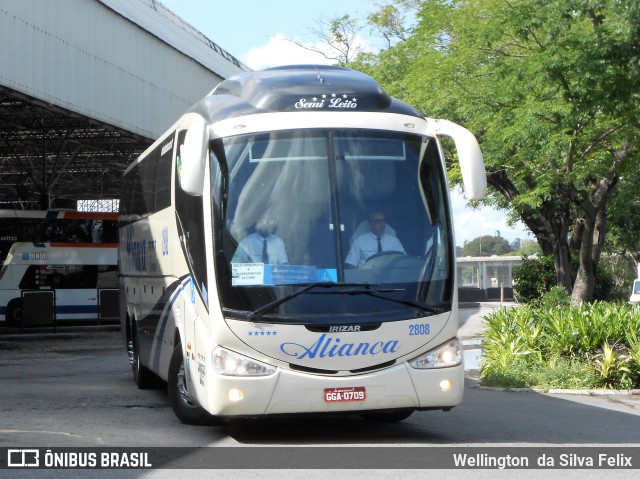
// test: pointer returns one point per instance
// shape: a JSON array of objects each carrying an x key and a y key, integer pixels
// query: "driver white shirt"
[
  {"x": 250, "y": 250},
  {"x": 366, "y": 245}
]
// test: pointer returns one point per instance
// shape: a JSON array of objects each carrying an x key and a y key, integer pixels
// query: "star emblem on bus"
[{"x": 263, "y": 333}]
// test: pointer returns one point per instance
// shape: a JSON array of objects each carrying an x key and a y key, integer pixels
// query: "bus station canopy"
[{"x": 86, "y": 86}]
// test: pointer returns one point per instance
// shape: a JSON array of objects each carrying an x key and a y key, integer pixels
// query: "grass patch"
[{"x": 558, "y": 374}]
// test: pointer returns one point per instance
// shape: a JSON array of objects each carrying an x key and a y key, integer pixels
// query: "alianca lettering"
[{"x": 327, "y": 347}]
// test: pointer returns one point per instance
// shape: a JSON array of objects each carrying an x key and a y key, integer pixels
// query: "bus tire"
[
  {"x": 184, "y": 406},
  {"x": 143, "y": 377},
  {"x": 385, "y": 417},
  {"x": 13, "y": 316}
]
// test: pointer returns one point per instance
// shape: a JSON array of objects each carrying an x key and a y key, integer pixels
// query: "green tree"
[
  {"x": 486, "y": 246},
  {"x": 529, "y": 248},
  {"x": 623, "y": 240},
  {"x": 390, "y": 21},
  {"x": 552, "y": 89}
]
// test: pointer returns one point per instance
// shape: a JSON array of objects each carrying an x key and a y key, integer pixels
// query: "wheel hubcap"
[{"x": 182, "y": 386}]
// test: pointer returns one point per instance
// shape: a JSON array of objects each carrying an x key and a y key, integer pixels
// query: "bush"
[
  {"x": 533, "y": 278},
  {"x": 556, "y": 296},
  {"x": 604, "y": 287},
  {"x": 593, "y": 345}
]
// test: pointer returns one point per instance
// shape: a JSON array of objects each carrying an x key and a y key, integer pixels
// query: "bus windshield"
[{"x": 363, "y": 213}]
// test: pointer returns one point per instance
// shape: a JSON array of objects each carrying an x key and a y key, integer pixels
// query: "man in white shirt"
[
  {"x": 262, "y": 246},
  {"x": 374, "y": 241}
]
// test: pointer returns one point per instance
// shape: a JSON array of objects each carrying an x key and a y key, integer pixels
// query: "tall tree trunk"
[
  {"x": 594, "y": 231},
  {"x": 557, "y": 226},
  {"x": 550, "y": 225},
  {"x": 586, "y": 276}
]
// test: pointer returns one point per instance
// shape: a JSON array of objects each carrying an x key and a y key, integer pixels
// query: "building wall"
[{"x": 85, "y": 57}]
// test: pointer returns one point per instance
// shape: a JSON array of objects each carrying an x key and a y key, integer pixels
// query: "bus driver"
[
  {"x": 262, "y": 246},
  {"x": 374, "y": 241}
]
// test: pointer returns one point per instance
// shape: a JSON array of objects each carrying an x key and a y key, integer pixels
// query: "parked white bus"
[
  {"x": 287, "y": 247},
  {"x": 635, "y": 292},
  {"x": 76, "y": 272},
  {"x": 55, "y": 226}
]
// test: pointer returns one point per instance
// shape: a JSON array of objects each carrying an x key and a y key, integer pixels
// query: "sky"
[{"x": 257, "y": 32}]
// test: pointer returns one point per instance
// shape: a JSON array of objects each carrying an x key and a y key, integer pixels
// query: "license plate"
[{"x": 345, "y": 394}]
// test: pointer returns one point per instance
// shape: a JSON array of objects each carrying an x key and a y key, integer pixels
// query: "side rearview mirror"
[
  {"x": 469, "y": 155},
  {"x": 192, "y": 158}
]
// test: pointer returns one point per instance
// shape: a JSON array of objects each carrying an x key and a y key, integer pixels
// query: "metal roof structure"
[
  {"x": 52, "y": 157},
  {"x": 86, "y": 86}
]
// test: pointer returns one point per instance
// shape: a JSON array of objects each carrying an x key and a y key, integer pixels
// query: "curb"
[{"x": 571, "y": 392}]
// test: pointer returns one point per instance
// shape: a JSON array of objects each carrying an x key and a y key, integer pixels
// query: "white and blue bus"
[
  {"x": 72, "y": 253},
  {"x": 83, "y": 278},
  {"x": 287, "y": 247},
  {"x": 55, "y": 226}
]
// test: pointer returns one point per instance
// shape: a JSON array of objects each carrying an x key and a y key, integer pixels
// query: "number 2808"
[{"x": 418, "y": 329}]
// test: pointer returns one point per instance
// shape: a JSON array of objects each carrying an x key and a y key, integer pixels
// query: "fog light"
[
  {"x": 445, "y": 384},
  {"x": 235, "y": 395}
]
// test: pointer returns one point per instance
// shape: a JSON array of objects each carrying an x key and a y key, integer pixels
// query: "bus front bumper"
[{"x": 293, "y": 392}]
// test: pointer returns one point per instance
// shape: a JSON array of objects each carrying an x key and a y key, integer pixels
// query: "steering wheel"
[{"x": 382, "y": 253}]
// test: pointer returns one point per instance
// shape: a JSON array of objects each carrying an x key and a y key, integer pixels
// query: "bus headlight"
[
  {"x": 228, "y": 363},
  {"x": 446, "y": 355}
]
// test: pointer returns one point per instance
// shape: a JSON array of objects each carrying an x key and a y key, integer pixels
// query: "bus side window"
[
  {"x": 28, "y": 280},
  {"x": 60, "y": 277},
  {"x": 89, "y": 276},
  {"x": 107, "y": 277},
  {"x": 73, "y": 277}
]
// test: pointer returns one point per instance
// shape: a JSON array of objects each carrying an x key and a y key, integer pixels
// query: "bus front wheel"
[{"x": 184, "y": 406}]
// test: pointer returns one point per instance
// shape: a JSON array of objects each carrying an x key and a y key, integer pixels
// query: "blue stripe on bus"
[
  {"x": 164, "y": 318},
  {"x": 71, "y": 309}
]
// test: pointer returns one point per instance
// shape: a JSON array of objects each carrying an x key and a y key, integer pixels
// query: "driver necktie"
[
  {"x": 379, "y": 245},
  {"x": 265, "y": 255}
]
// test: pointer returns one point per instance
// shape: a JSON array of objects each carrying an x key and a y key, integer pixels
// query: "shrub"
[
  {"x": 593, "y": 345},
  {"x": 533, "y": 278},
  {"x": 555, "y": 297},
  {"x": 612, "y": 364},
  {"x": 604, "y": 287}
]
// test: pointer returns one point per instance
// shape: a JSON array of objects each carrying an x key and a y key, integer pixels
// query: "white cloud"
[
  {"x": 470, "y": 223},
  {"x": 280, "y": 51}
]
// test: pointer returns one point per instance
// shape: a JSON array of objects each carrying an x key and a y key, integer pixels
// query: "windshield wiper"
[
  {"x": 416, "y": 304},
  {"x": 258, "y": 313},
  {"x": 363, "y": 288}
]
